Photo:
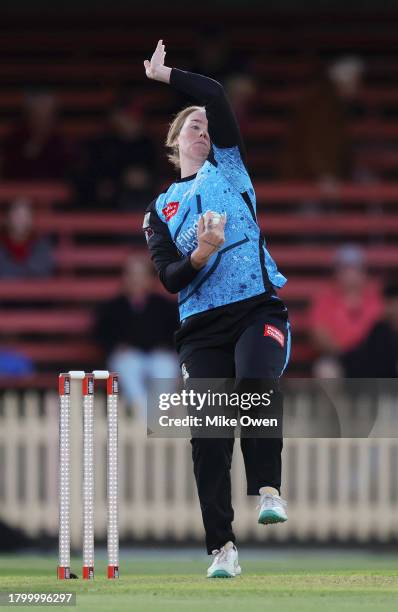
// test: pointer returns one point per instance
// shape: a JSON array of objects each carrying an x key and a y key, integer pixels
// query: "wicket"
[{"x": 88, "y": 383}]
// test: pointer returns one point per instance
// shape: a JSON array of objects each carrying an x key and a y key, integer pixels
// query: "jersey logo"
[
  {"x": 275, "y": 333},
  {"x": 185, "y": 373},
  {"x": 170, "y": 210},
  {"x": 148, "y": 231}
]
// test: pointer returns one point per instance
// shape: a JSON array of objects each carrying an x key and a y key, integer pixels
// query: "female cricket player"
[{"x": 206, "y": 245}]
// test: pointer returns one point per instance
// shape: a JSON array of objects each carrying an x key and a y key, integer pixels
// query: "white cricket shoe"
[
  {"x": 225, "y": 563},
  {"x": 272, "y": 509}
]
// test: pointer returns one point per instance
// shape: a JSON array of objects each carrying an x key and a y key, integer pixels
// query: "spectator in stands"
[
  {"x": 214, "y": 56},
  {"x": 35, "y": 149},
  {"x": 318, "y": 145},
  {"x": 23, "y": 253},
  {"x": 135, "y": 329},
  {"x": 241, "y": 89},
  {"x": 343, "y": 313},
  {"x": 377, "y": 356},
  {"x": 118, "y": 169}
]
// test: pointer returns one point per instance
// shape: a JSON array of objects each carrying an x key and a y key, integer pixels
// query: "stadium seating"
[{"x": 88, "y": 67}]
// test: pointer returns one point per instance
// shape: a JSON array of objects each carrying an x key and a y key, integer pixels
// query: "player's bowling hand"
[{"x": 211, "y": 237}]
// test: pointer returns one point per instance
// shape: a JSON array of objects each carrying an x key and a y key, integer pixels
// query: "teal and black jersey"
[{"x": 242, "y": 268}]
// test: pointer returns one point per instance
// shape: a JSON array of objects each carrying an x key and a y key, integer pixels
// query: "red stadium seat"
[{"x": 95, "y": 63}]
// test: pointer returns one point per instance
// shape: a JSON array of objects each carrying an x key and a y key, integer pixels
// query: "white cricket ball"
[{"x": 215, "y": 218}]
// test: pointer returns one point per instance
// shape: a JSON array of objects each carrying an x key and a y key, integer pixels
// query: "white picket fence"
[{"x": 336, "y": 488}]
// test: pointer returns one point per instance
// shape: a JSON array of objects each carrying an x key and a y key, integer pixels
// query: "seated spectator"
[
  {"x": 318, "y": 146},
  {"x": 377, "y": 356},
  {"x": 135, "y": 329},
  {"x": 213, "y": 56},
  {"x": 136, "y": 188},
  {"x": 241, "y": 89},
  {"x": 23, "y": 253},
  {"x": 35, "y": 149},
  {"x": 343, "y": 313},
  {"x": 118, "y": 169}
]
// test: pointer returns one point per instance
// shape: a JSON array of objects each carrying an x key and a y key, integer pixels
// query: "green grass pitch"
[{"x": 278, "y": 580}]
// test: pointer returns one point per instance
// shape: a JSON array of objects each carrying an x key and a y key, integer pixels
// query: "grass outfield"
[{"x": 160, "y": 581}]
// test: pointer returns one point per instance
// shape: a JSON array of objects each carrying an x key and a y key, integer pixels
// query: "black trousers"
[{"x": 252, "y": 358}]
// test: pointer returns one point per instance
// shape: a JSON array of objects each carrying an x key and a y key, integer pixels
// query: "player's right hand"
[{"x": 210, "y": 237}]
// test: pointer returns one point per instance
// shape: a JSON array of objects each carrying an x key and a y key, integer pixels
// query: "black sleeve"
[
  {"x": 175, "y": 271},
  {"x": 223, "y": 126}
]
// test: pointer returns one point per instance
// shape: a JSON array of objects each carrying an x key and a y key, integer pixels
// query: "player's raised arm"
[
  {"x": 155, "y": 68},
  {"x": 223, "y": 127}
]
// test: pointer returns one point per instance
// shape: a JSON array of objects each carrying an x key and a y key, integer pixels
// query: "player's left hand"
[{"x": 155, "y": 68}]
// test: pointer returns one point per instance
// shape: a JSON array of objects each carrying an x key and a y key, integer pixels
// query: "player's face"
[{"x": 194, "y": 140}]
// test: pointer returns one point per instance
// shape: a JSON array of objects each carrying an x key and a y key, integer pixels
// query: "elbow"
[
  {"x": 172, "y": 289},
  {"x": 218, "y": 90},
  {"x": 168, "y": 285},
  {"x": 214, "y": 90}
]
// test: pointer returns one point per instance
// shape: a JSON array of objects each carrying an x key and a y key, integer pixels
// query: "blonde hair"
[{"x": 174, "y": 131}]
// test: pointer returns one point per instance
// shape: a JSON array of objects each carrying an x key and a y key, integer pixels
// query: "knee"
[{"x": 212, "y": 450}]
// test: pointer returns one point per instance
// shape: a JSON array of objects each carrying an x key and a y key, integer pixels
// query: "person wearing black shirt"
[
  {"x": 206, "y": 245},
  {"x": 135, "y": 330},
  {"x": 377, "y": 355}
]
